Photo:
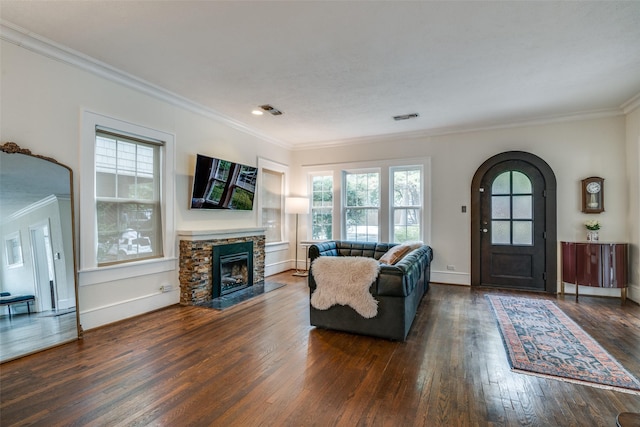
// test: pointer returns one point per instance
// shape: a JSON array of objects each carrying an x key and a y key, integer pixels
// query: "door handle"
[{"x": 484, "y": 230}]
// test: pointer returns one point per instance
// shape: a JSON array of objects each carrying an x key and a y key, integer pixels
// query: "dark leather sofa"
[{"x": 398, "y": 289}]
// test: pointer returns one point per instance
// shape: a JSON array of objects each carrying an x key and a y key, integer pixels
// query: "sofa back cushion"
[{"x": 348, "y": 248}]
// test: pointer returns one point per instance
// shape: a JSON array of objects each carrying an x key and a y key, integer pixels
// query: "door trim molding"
[{"x": 551, "y": 245}]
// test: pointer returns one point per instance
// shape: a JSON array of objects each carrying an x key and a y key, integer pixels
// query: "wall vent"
[{"x": 406, "y": 116}]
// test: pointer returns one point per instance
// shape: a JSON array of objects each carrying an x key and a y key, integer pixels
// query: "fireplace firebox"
[{"x": 232, "y": 268}]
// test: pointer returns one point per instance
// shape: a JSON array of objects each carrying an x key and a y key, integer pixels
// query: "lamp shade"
[{"x": 296, "y": 205}]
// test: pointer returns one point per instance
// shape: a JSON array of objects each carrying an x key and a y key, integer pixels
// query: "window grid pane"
[
  {"x": 322, "y": 207},
  {"x": 362, "y": 200},
  {"x": 406, "y": 195},
  {"x": 272, "y": 205},
  {"x": 362, "y": 224},
  {"x": 127, "y": 200},
  {"x": 406, "y": 224},
  {"x": 522, "y": 233}
]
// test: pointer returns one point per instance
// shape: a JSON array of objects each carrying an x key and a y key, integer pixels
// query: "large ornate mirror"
[{"x": 38, "y": 288}]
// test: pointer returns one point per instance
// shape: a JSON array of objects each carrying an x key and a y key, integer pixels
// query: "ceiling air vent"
[
  {"x": 405, "y": 116},
  {"x": 271, "y": 109}
]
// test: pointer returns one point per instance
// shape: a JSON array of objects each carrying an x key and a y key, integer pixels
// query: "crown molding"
[
  {"x": 631, "y": 104},
  {"x": 31, "y": 41},
  {"x": 50, "y": 199},
  {"x": 452, "y": 130}
]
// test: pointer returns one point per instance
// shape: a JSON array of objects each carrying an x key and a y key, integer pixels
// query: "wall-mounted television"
[{"x": 221, "y": 184}]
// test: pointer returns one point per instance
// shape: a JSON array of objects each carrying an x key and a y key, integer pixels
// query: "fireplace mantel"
[{"x": 219, "y": 234}]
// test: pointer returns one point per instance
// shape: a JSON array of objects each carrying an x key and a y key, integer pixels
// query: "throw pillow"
[
  {"x": 398, "y": 252},
  {"x": 394, "y": 254}
]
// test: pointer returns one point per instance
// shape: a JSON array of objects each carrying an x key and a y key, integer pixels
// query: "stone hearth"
[{"x": 196, "y": 253}]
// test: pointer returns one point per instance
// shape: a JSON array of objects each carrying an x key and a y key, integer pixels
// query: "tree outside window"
[
  {"x": 362, "y": 204},
  {"x": 322, "y": 207},
  {"x": 407, "y": 203}
]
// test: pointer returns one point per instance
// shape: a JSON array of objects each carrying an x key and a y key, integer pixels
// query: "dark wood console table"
[{"x": 603, "y": 265}]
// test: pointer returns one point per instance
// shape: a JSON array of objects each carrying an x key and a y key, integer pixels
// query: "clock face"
[{"x": 593, "y": 187}]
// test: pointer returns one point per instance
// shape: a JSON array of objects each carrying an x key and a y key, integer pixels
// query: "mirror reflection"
[{"x": 38, "y": 294}]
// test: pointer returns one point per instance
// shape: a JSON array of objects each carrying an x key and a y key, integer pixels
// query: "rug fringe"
[{"x": 574, "y": 381}]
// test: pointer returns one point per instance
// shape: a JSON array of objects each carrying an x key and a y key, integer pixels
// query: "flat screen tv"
[{"x": 221, "y": 184}]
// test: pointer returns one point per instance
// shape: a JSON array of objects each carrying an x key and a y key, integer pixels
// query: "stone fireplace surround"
[{"x": 196, "y": 254}]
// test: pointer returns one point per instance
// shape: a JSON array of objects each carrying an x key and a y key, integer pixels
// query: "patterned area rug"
[{"x": 541, "y": 340}]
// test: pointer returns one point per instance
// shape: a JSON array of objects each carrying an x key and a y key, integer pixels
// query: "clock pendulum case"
[{"x": 593, "y": 195}]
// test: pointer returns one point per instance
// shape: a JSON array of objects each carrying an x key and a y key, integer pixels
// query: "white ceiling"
[{"x": 339, "y": 70}]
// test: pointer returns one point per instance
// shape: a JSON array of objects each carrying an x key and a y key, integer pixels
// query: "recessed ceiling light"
[
  {"x": 271, "y": 109},
  {"x": 257, "y": 113}
]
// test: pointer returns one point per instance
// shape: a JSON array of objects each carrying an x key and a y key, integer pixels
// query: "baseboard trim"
[
  {"x": 451, "y": 277},
  {"x": 110, "y": 313}
]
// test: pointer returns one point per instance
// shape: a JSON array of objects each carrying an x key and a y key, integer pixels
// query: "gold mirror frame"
[{"x": 14, "y": 327}]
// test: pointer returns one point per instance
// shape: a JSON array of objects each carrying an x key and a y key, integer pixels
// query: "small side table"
[{"x": 306, "y": 245}]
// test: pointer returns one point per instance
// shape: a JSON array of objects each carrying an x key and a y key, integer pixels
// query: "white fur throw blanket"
[{"x": 345, "y": 280}]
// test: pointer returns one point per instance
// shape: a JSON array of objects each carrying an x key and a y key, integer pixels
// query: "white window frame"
[
  {"x": 270, "y": 165},
  {"x": 333, "y": 200},
  {"x": 343, "y": 199},
  {"x": 393, "y": 207},
  {"x": 385, "y": 167},
  {"x": 89, "y": 272}
]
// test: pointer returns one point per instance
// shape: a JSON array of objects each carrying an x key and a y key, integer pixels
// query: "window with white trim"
[
  {"x": 272, "y": 184},
  {"x": 127, "y": 198},
  {"x": 270, "y": 210},
  {"x": 322, "y": 207},
  {"x": 382, "y": 200},
  {"x": 406, "y": 203},
  {"x": 361, "y": 205}
]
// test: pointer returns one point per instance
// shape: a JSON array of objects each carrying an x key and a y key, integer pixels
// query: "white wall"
[
  {"x": 633, "y": 220},
  {"x": 574, "y": 150},
  {"x": 42, "y": 102}
]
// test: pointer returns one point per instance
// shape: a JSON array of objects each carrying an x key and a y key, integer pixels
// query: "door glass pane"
[
  {"x": 512, "y": 199},
  {"x": 521, "y": 183},
  {"x": 522, "y": 207},
  {"x": 522, "y": 233},
  {"x": 501, "y": 185},
  {"x": 500, "y": 207},
  {"x": 500, "y": 232}
]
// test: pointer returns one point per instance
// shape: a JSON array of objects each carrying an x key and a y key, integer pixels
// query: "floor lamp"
[{"x": 297, "y": 205}]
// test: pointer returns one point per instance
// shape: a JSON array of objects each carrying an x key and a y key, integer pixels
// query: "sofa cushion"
[
  {"x": 394, "y": 254},
  {"x": 398, "y": 252}
]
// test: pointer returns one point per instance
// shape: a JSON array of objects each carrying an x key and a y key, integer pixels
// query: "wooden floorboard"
[{"x": 260, "y": 363}]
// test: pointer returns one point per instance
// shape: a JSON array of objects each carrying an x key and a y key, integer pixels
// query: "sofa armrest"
[
  {"x": 323, "y": 249},
  {"x": 399, "y": 279}
]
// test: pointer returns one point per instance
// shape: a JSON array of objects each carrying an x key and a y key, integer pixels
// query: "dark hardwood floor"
[{"x": 261, "y": 364}]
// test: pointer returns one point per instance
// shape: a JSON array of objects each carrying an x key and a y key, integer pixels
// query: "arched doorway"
[{"x": 513, "y": 223}]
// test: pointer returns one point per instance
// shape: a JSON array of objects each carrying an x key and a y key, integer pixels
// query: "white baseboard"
[
  {"x": 451, "y": 277},
  {"x": 278, "y": 267},
  {"x": 111, "y": 313}
]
